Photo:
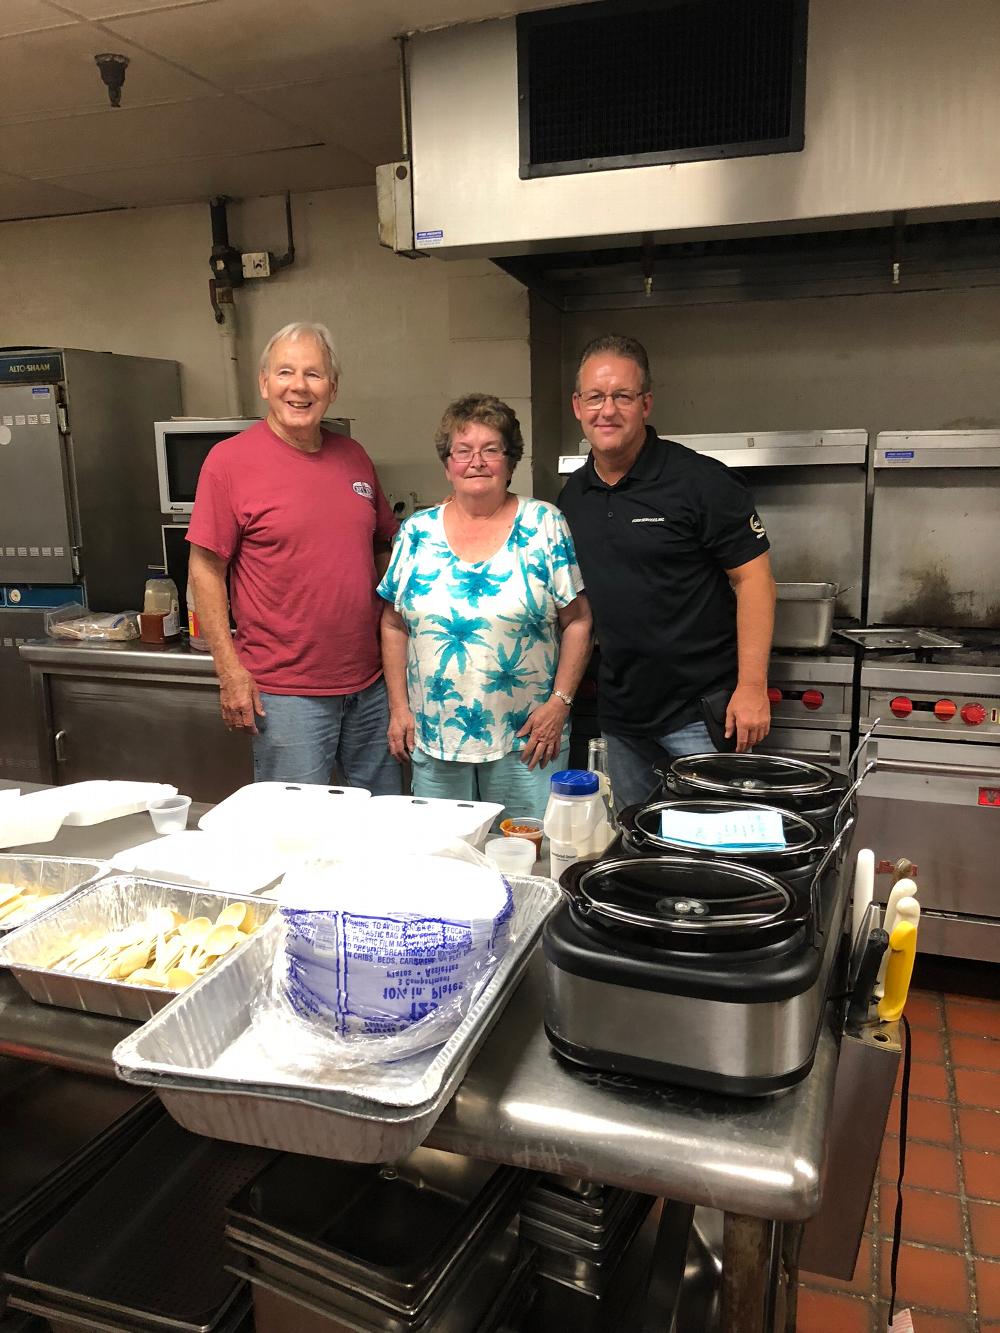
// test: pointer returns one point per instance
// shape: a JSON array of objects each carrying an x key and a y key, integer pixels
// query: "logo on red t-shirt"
[{"x": 362, "y": 488}]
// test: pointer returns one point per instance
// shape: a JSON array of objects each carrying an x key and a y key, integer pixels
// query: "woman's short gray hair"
[
  {"x": 481, "y": 409},
  {"x": 302, "y": 328}
]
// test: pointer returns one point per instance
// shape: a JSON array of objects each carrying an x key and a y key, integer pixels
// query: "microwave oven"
[
  {"x": 183, "y": 445},
  {"x": 181, "y": 448}
]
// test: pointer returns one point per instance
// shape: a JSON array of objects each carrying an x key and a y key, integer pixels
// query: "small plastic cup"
[
  {"x": 170, "y": 815},
  {"x": 511, "y": 856},
  {"x": 524, "y": 826}
]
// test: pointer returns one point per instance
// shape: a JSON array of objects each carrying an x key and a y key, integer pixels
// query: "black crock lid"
[
  {"x": 678, "y": 898},
  {"x": 752, "y": 774},
  {"x": 800, "y": 833}
]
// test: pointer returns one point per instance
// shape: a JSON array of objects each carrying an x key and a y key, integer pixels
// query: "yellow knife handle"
[{"x": 902, "y": 954}]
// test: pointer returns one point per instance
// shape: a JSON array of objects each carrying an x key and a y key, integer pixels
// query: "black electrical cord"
[{"x": 897, "y": 1224}]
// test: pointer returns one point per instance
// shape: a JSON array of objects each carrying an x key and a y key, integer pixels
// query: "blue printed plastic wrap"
[{"x": 385, "y": 955}]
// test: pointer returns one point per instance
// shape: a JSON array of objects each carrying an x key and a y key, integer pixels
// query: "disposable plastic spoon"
[
  {"x": 219, "y": 941},
  {"x": 233, "y": 915}
]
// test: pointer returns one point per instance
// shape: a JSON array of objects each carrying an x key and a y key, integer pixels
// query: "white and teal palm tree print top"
[{"x": 483, "y": 636}]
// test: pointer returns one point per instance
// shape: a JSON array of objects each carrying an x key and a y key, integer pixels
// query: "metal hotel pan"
[
  {"x": 144, "y": 1246},
  {"x": 281, "y": 1304},
  {"x": 58, "y": 875},
  {"x": 178, "y": 1051},
  {"x": 59, "y": 1130},
  {"x": 352, "y": 1295},
  {"x": 109, "y": 904},
  {"x": 390, "y": 1233}
]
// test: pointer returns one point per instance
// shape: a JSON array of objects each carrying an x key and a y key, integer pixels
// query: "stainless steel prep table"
[
  {"x": 759, "y": 1161},
  {"x": 133, "y": 710}
]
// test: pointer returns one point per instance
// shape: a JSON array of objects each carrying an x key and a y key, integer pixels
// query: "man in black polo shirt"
[{"x": 674, "y": 559}]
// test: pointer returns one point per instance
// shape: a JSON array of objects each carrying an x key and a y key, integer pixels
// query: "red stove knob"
[
  {"x": 774, "y": 695},
  {"x": 973, "y": 714},
  {"x": 945, "y": 709},
  {"x": 901, "y": 706},
  {"x": 812, "y": 698}
]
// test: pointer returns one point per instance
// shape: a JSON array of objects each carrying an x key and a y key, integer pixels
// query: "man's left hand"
[
  {"x": 748, "y": 714},
  {"x": 544, "y": 730}
]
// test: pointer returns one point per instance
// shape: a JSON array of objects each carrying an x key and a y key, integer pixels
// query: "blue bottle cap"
[{"x": 574, "y": 782}]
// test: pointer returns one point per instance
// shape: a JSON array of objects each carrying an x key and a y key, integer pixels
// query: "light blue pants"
[
  {"x": 327, "y": 737},
  {"x": 505, "y": 781},
  {"x": 631, "y": 760}
]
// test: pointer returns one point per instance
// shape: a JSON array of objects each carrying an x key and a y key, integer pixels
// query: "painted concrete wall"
[{"x": 412, "y": 334}]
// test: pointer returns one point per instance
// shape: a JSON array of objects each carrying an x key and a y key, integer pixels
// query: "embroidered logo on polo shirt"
[
  {"x": 363, "y": 489},
  {"x": 757, "y": 527},
  {"x": 648, "y": 520}
]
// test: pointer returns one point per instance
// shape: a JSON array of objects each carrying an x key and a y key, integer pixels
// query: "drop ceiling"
[{"x": 235, "y": 97}]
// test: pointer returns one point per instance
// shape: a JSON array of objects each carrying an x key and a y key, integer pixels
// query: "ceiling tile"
[
  {"x": 241, "y": 177},
  {"x": 358, "y": 111},
  {"x": 143, "y": 136},
  {"x": 108, "y": 9},
  {"x": 33, "y": 199},
  {"x": 243, "y": 43},
  {"x": 53, "y": 73},
  {"x": 29, "y": 16}
]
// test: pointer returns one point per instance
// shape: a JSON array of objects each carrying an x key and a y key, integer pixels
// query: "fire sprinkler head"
[{"x": 112, "y": 69}]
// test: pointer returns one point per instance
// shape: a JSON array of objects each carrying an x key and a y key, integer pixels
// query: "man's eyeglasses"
[
  {"x": 593, "y": 400},
  {"x": 490, "y": 453}
]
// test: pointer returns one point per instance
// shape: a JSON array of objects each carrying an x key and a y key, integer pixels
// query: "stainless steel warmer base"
[{"x": 749, "y": 1050}]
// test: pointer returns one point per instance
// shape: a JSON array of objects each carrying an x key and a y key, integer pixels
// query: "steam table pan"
[
  {"x": 390, "y": 1232},
  {"x": 144, "y": 1247},
  {"x": 281, "y": 1303},
  {"x": 59, "y": 1130},
  {"x": 109, "y": 904},
  {"x": 201, "y": 1057},
  {"x": 364, "y": 1293}
]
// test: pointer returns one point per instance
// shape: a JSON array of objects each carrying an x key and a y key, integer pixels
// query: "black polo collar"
[{"x": 647, "y": 467}]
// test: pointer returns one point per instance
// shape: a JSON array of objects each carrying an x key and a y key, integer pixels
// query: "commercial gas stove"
[
  {"x": 811, "y": 696},
  {"x": 935, "y": 798}
]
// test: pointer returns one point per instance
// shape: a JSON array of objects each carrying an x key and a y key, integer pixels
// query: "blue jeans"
[
  {"x": 505, "y": 781},
  {"x": 631, "y": 760},
  {"x": 306, "y": 738}
]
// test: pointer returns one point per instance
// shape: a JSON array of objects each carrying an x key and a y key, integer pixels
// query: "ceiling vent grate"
[{"x": 613, "y": 85}]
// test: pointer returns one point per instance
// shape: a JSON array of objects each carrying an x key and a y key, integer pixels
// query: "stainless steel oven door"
[{"x": 938, "y": 804}]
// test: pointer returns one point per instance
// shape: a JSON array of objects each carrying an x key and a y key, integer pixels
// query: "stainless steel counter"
[
  {"x": 132, "y": 710},
  {"x": 133, "y": 658},
  {"x": 519, "y": 1103},
  {"x": 759, "y": 1161}
]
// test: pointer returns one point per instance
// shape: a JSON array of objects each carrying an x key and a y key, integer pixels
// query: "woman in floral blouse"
[{"x": 486, "y": 630}]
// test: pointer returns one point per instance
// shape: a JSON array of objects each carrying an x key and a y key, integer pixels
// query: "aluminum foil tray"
[
  {"x": 58, "y": 875},
  {"x": 375, "y": 1115},
  {"x": 108, "y": 904}
]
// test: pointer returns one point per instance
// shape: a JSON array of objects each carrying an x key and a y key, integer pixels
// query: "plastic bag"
[
  {"x": 381, "y": 955},
  {"x": 116, "y": 625}
]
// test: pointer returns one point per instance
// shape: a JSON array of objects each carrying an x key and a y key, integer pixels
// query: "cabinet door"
[{"x": 149, "y": 731}]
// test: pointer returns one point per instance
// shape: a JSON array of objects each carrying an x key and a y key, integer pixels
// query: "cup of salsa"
[{"x": 524, "y": 826}]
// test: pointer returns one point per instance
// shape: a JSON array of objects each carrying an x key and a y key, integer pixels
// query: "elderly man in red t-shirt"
[{"x": 296, "y": 516}]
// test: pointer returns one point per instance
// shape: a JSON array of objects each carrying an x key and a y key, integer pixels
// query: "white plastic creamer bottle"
[{"x": 576, "y": 822}]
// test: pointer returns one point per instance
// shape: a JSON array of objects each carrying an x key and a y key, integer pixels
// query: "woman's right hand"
[{"x": 400, "y": 734}]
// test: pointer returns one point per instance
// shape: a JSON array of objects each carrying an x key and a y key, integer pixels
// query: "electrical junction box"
[{"x": 256, "y": 264}]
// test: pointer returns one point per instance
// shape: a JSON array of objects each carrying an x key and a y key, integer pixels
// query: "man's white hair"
[{"x": 302, "y": 328}]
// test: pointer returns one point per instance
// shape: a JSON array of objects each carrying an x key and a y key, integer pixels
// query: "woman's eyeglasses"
[{"x": 490, "y": 453}]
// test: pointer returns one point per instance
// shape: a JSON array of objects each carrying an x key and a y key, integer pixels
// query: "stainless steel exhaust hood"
[{"x": 901, "y": 108}]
